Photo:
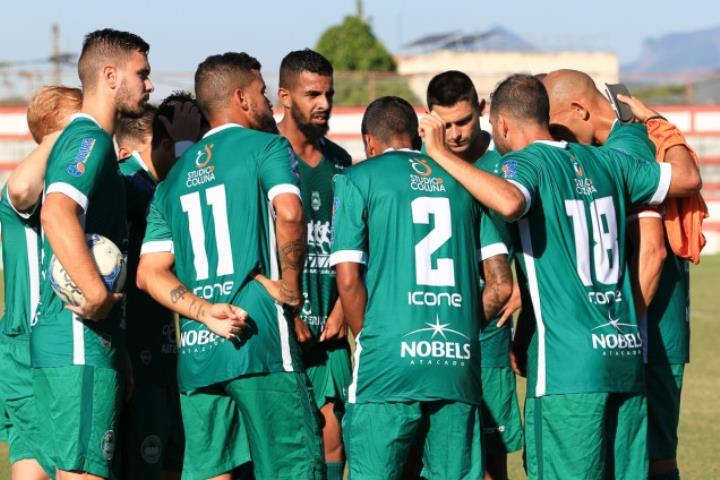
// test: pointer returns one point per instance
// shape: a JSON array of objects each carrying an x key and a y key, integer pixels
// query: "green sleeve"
[
  {"x": 522, "y": 172},
  {"x": 76, "y": 167},
  {"x": 350, "y": 234},
  {"x": 158, "y": 236},
  {"x": 278, "y": 169},
  {"x": 647, "y": 181},
  {"x": 494, "y": 237},
  {"x": 632, "y": 140}
]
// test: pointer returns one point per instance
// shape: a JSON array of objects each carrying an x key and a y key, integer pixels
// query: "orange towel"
[{"x": 683, "y": 216}]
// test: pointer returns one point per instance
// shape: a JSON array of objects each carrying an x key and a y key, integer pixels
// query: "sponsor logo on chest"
[{"x": 435, "y": 345}]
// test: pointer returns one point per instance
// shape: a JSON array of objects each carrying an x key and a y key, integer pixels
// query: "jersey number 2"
[
  {"x": 443, "y": 275},
  {"x": 216, "y": 199}
]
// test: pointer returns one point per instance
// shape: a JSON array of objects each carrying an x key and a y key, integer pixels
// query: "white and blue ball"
[{"x": 110, "y": 264}]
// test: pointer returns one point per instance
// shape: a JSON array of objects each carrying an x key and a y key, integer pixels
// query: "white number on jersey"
[
  {"x": 425, "y": 274},
  {"x": 605, "y": 241},
  {"x": 215, "y": 198}
]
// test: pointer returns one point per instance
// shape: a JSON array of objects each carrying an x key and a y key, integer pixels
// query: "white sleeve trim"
[
  {"x": 493, "y": 250},
  {"x": 348, "y": 256},
  {"x": 182, "y": 147},
  {"x": 23, "y": 215},
  {"x": 644, "y": 214},
  {"x": 525, "y": 193},
  {"x": 70, "y": 191},
  {"x": 663, "y": 184},
  {"x": 283, "y": 188},
  {"x": 157, "y": 246}
]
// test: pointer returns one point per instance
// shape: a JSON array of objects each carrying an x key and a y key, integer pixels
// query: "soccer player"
[
  {"x": 580, "y": 110},
  {"x": 417, "y": 316},
  {"x": 585, "y": 410},
  {"x": 78, "y": 352},
  {"x": 151, "y": 435},
  {"x": 48, "y": 112},
  {"x": 453, "y": 97},
  {"x": 306, "y": 93},
  {"x": 228, "y": 209}
]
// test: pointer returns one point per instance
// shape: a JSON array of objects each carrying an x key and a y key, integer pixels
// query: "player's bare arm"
[
  {"x": 513, "y": 304},
  {"x": 498, "y": 285},
  {"x": 335, "y": 326},
  {"x": 686, "y": 178},
  {"x": 353, "y": 294},
  {"x": 291, "y": 238},
  {"x": 60, "y": 222},
  {"x": 156, "y": 277},
  {"x": 647, "y": 235},
  {"x": 488, "y": 189},
  {"x": 26, "y": 181}
]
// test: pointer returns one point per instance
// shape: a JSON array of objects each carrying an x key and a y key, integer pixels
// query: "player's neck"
[
  {"x": 529, "y": 134},
  {"x": 307, "y": 149},
  {"x": 102, "y": 109},
  {"x": 478, "y": 147}
]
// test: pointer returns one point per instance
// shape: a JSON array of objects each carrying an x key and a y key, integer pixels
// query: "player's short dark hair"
[
  {"x": 167, "y": 110},
  {"x": 448, "y": 88},
  {"x": 132, "y": 130},
  {"x": 219, "y": 75},
  {"x": 106, "y": 44},
  {"x": 522, "y": 97},
  {"x": 389, "y": 118},
  {"x": 300, "y": 61}
]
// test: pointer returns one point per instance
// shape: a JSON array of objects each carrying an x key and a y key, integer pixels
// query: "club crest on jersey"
[
  {"x": 421, "y": 179},
  {"x": 205, "y": 172},
  {"x": 616, "y": 338},
  {"x": 436, "y": 344},
  {"x": 315, "y": 202},
  {"x": 77, "y": 166},
  {"x": 509, "y": 169}
]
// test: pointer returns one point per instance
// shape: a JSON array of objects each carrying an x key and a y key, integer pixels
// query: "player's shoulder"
[
  {"x": 83, "y": 137},
  {"x": 335, "y": 153},
  {"x": 129, "y": 166},
  {"x": 631, "y": 139}
]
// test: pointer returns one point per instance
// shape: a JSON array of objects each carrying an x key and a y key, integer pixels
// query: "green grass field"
[{"x": 700, "y": 421}]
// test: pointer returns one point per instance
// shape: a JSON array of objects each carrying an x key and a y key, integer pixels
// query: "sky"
[{"x": 182, "y": 33}]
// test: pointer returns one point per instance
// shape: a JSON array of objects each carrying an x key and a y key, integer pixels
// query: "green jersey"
[
  {"x": 316, "y": 186},
  {"x": 572, "y": 234},
  {"x": 668, "y": 326},
  {"x": 21, "y": 266},
  {"x": 150, "y": 334},
  {"x": 416, "y": 229},
  {"x": 82, "y": 166},
  {"x": 494, "y": 341},
  {"x": 214, "y": 212}
]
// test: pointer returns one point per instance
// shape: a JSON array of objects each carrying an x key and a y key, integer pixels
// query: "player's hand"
[
  {"x": 280, "y": 292},
  {"x": 513, "y": 305},
  {"x": 185, "y": 124},
  {"x": 223, "y": 319},
  {"x": 92, "y": 309},
  {"x": 335, "y": 327},
  {"x": 302, "y": 331},
  {"x": 432, "y": 131},
  {"x": 518, "y": 361},
  {"x": 641, "y": 111}
]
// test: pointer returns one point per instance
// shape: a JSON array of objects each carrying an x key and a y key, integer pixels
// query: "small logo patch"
[
  {"x": 509, "y": 168},
  {"x": 315, "y": 202},
  {"x": 146, "y": 357},
  {"x": 151, "y": 449},
  {"x": 107, "y": 445},
  {"x": 77, "y": 166}
]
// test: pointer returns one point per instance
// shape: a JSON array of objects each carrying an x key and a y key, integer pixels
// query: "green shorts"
[
  {"x": 664, "y": 385},
  {"x": 379, "y": 437},
  {"x": 330, "y": 373},
  {"x": 502, "y": 428},
  {"x": 151, "y": 432},
  {"x": 592, "y": 436},
  {"x": 277, "y": 413},
  {"x": 79, "y": 407},
  {"x": 18, "y": 403}
]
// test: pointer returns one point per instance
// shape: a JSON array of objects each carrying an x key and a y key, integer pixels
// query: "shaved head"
[{"x": 578, "y": 111}]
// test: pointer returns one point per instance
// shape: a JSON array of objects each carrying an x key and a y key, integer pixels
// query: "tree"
[{"x": 352, "y": 46}]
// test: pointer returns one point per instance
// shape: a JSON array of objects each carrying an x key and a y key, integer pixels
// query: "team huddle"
[{"x": 253, "y": 247}]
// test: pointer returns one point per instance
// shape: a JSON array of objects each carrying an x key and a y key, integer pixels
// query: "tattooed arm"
[
  {"x": 498, "y": 285},
  {"x": 292, "y": 247},
  {"x": 156, "y": 277}
]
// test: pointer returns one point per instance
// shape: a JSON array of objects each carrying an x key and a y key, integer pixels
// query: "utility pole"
[
  {"x": 55, "y": 58},
  {"x": 359, "y": 8}
]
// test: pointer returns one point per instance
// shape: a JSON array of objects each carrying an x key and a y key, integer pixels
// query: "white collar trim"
[
  {"x": 401, "y": 150},
  {"x": 84, "y": 115},
  {"x": 561, "y": 144},
  {"x": 222, "y": 127},
  {"x": 140, "y": 160}
]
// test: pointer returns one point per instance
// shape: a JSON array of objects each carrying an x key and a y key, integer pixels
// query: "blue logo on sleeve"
[
  {"x": 509, "y": 169},
  {"x": 77, "y": 166}
]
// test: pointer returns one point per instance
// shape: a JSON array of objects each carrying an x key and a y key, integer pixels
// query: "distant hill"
[
  {"x": 497, "y": 39},
  {"x": 697, "y": 51}
]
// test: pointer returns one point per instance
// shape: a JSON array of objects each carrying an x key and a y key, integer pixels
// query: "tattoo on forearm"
[
  {"x": 498, "y": 275},
  {"x": 292, "y": 255},
  {"x": 289, "y": 295},
  {"x": 178, "y": 293}
]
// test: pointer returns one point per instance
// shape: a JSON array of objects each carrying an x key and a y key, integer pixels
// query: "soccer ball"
[{"x": 110, "y": 264}]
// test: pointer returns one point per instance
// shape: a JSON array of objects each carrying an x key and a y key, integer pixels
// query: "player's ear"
[
  {"x": 284, "y": 96},
  {"x": 481, "y": 107},
  {"x": 502, "y": 125},
  {"x": 110, "y": 76},
  {"x": 241, "y": 99},
  {"x": 370, "y": 147},
  {"x": 124, "y": 152},
  {"x": 580, "y": 111}
]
